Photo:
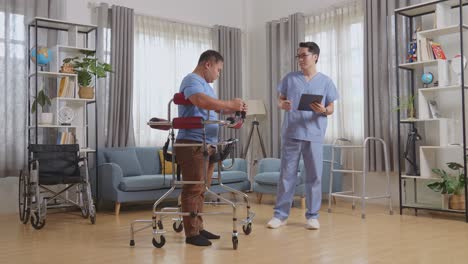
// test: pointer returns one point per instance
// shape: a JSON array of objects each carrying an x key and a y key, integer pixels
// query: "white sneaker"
[
  {"x": 312, "y": 224},
  {"x": 276, "y": 223}
]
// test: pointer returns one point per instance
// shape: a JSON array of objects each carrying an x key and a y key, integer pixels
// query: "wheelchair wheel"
[
  {"x": 92, "y": 214},
  {"x": 84, "y": 202},
  {"x": 23, "y": 198},
  {"x": 36, "y": 222}
]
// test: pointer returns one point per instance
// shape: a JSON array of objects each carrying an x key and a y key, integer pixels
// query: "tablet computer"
[{"x": 307, "y": 99}]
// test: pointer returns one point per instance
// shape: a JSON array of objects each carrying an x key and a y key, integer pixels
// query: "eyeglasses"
[{"x": 302, "y": 56}]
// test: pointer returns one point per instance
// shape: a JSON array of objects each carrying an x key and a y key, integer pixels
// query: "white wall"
[{"x": 203, "y": 12}]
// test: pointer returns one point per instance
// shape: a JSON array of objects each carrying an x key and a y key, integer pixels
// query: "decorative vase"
[
  {"x": 46, "y": 118},
  {"x": 457, "y": 202},
  {"x": 86, "y": 92},
  {"x": 445, "y": 201}
]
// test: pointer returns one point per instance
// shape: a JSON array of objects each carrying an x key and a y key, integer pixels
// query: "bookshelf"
[
  {"x": 440, "y": 109},
  {"x": 73, "y": 119}
]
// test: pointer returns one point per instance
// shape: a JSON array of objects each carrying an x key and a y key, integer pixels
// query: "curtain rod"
[{"x": 171, "y": 20}]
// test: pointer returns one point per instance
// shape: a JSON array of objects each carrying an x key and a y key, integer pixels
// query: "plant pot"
[
  {"x": 445, "y": 201},
  {"x": 457, "y": 202},
  {"x": 86, "y": 92},
  {"x": 46, "y": 118}
]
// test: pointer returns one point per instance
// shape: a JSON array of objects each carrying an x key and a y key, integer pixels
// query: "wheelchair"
[
  {"x": 222, "y": 150},
  {"x": 51, "y": 168}
]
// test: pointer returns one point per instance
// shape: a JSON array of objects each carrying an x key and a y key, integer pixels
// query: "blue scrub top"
[
  {"x": 193, "y": 84},
  {"x": 306, "y": 125}
]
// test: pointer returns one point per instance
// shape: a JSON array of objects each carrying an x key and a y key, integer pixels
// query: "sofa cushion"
[
  {"x": 231, "y": 177},
  {"x": 270, "y": 178},
  {"x": 127, "y": 160},
  {"x": 144, "y": 183},
  {"x": 149, "y": 160}
]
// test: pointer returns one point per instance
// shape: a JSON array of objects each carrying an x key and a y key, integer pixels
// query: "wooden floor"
[{"x": 343, "y": 238}]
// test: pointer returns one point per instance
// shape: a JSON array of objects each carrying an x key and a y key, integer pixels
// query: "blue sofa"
[
  {"x": 268, "y": 173},
  {"x": 134, "y": 174}
]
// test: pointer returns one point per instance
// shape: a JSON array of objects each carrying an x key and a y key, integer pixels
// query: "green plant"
[
  {"x": 449, "y": 184},
  {"x": 407, "y": 103},
  {"x": 42, "y": 99},
  {"x": 87, "y": 67}
]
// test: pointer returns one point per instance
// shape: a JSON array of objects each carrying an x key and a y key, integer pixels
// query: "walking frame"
[{"x": 222, "y": 151}]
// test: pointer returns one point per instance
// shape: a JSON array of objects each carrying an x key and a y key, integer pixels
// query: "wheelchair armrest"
[{"x": 110, "y": 176}]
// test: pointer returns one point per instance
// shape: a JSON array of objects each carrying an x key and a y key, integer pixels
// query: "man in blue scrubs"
[
  {"x": 195, "y": 87},
  {"x": 303, "y": 133}
]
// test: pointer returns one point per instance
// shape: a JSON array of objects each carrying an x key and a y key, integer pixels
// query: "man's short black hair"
[
  {"x": 312, "y": 46},
  {"x": 210, "y": 55}
]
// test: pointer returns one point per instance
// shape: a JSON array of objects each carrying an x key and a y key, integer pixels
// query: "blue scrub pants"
[{"x": 312, "y": 153}]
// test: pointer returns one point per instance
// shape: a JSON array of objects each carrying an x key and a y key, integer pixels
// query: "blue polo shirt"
[
  {"x": 193, "y": 84},
  {"x": 306, "y": 125}
]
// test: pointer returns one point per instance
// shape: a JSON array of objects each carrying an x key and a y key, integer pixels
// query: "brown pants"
[{"x": 191, "y": 162}]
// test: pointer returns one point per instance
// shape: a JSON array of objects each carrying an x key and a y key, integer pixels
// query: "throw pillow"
[{"x": 166, "y": 166}]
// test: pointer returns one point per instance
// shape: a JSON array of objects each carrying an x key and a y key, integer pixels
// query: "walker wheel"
[
  {"x": 178, "y": 226},
  {"x": 132, "y": 243},
  {"x": 247, "y": 228},
  {"x": 160, "y": 225},
  {"x": 36, "y": 222},
  {"x": 235, "y": 242},
  {"x": 161, "y": 242}
]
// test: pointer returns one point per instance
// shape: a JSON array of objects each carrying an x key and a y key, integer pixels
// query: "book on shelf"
[
  {"x": 430, "y": 50},
  {"x": 66, "y": 88},
  {"x": 66, "y": 138},
  {"x": 63, "y": 86},
  {"x": 437, "y": 51}
]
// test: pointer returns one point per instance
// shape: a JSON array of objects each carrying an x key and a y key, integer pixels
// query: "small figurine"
[
  {"x": 67, "y": 68},
  {"x": 413, "y": 48}
]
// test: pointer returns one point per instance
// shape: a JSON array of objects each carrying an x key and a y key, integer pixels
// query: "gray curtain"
[
  {"x": 380, "y": 77},
  {"x": 283, "y": 37},
  {"x": 101, "y": 16},
  {"x": 120, "y": 124},
  {"x": 14, "y": 60},
  {"x": 228, "y": 41}
]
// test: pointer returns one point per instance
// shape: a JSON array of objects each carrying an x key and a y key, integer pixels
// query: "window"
[
  {"x": 339, "y": 34},
  {"x": 164, "y": 53}
]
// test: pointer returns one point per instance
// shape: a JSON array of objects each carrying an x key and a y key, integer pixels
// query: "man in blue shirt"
[
  {"x": 303, "y": 133},
  {"x": 195, "y": 87}
]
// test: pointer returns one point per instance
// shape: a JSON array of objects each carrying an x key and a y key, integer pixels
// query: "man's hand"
[
  {"x": 318, "y": 108},
  {"x": 236, "y": 104},
  {"x": 286, "y": 105}
]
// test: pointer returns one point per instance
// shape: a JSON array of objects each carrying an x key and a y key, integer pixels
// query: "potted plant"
[
  {"x": 86, "y": 67},
  {"x": 451, "y": 185},
  {"x": 42, "y": 99},
  {"x": 407, "y": 103}
]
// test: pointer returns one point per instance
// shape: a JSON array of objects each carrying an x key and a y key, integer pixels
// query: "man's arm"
[{"x": 204, "y": 101}]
